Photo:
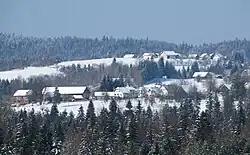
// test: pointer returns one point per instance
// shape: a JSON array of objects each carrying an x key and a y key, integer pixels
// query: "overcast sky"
[{"x": 192, "y": 21}]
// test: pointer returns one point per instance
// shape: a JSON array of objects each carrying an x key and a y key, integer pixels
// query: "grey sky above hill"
[{"x": 192, "y": 21}]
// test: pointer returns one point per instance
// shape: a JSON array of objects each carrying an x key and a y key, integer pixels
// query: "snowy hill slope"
[
  {"x": 54, "y": 69},
  {"x": 28, "y": 72}
]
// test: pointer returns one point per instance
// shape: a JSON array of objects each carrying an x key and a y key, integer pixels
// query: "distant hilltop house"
[
  {"x": 68, "y": 93},
  {"x": 204, "y": 56},
  {"x": 203, "y": 75},
  {"x": 129, "y": 56},
  {"x": 193, "y": 56},
  {"x": 170, "y": 55},
  {"x": 148, "y": 56},
  {"x": 224, "y": 88},
  {"x": 22, "y": 96}
]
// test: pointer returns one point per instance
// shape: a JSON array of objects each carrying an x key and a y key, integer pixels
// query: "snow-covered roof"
[
  {"x": 200, "y": 74},
  {"x": 65, "y": 90},
  {"x": 147, "y": 54},
  {"x": 77, "y": 96},
  {"x": 125, "y": 90},
  {"x": 203, "y": 55},
  {"x": 169, "y": 53},
  {"x": 217, "y": 56},
  {"x": 192, "y": 55},
  {"x": 128, "y": 56},
  {"x": 21, "y": 93}
]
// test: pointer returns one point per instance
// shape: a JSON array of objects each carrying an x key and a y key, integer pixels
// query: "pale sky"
[{"x": 191, "y": 21}]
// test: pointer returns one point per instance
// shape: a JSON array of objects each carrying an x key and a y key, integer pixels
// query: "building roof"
[
  {"x": 192, "y": 55},
  {"x": 157, "y": 90},
  {"x": 65, "y": 90},
  {"x": 125, "y": 90},
  {"x": 128, "y": 56},
  {"x": 77, "y": 96},
  {"x": 169, "y": 53},
  {"x": 22, "y": 93},
  {"x": 204, "y": 55},
  {"x": 147, "y": 54},
  {"x": 200, "y": 74},
  {"x": 228, "y": 86}
]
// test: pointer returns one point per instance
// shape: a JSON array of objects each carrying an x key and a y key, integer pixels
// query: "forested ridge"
[{"x": 20, "y": 51}]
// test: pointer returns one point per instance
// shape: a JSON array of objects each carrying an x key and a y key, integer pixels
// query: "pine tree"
[
  {"x": 21, "y": 137},
  {"x": 113, "y": 126},
  {"x": 217, "y": 114},
  {"x": 57, "y": 96},
  {"x": 148, "y": 126},
  {"x": 32, "y": 140},
  {"x": 210, "y": 104},
  {"x": 89, "y": 137},
  {"x": 184, "y": 73},
  {"x": 46, "y": 141},
  {"x": 241, "y": 118},
  {"x": 205, "y": 130},
  {"x": 81, "y": 119},
  {"x": 54, "y": 113},
  {"x": 103, "y": 145},
  {"x": 161, "y": 67},
  {"x": 57, "y": 140}
]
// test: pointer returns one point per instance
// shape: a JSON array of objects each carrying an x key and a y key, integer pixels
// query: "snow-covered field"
[
  {"x": 28, "y": 72},
  {"x": 105, "y": 61},
  {"x": 98, "y": 104},
  {"x": 54, "y": 69}
]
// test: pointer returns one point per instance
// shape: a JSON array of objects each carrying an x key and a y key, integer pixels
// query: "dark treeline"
[
  {"x": 19, "y": 51},
  {"x": 183, "y": 130}
]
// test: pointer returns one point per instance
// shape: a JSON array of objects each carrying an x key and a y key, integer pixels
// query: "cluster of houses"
[
  {"x": 175, "y": 55},
  {"x": 75, "y": 93}
]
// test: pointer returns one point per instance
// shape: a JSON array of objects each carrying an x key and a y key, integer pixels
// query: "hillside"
[{"x": 18, "y": 51}]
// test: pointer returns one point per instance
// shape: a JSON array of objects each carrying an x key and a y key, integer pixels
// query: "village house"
[
  {"x": 170, "y": 55},
  {"x": 193, "y": 56},
  {"x": 174, "y": 91},
  {"x": 129, "y": 56},
  {"x": 224, "y": 88},
  {"x": 104, "y": 95},
  {"x": 204, "y": 56},
  {"x": 202, "y": 75},
  {"x": 22, "y": 97},
  {"x": 154, "y": 91},
  {"x": 68, "y": 93},
  {"x": 148, "y": 56},
  {"x": 119, "y": 92},
  {"x": 126, "y": 92}
]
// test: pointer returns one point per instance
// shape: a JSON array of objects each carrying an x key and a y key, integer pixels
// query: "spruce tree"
[
  {"x": 113, "y": 126},
  {"x": 161, "y": 67},
  {"x": 81, "y": 124},
  {"x": 205, "y": 129},
  {"x": 217, "y": 114},
  {"x": 89, "y": 137},
  {"x": 46, "y": 139},
  {"x": 57, "y": 96},
  {"x": 241, "y": 118}
]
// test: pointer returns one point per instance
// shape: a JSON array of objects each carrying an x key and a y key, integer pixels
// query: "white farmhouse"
[
  {"x": 126, "y": 92},
  {"x": 170, "y": 55},
  {"x": 203, "y": 75},
  {"x": 129, "y": 56},
  {"x": 147, "y": 56}
]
